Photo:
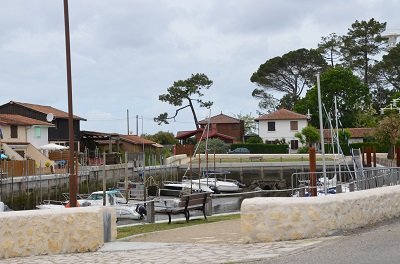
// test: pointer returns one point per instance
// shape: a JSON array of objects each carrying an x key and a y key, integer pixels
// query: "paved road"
[
  {"x": 221, "y": 242},
  {"x": 371, "y": 245}
]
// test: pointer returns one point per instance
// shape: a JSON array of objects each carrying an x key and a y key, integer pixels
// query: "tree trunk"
[
  {"x": 366, "y": 69},
  {"x": 196, "y": 123}
]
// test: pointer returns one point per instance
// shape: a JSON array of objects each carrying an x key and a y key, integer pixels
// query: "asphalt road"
[{"x": 371, "y": 245}]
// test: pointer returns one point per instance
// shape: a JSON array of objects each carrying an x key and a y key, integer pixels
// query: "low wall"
[
  {"x": 42, "y": 232},
  {"x": 289, "y": 218}
]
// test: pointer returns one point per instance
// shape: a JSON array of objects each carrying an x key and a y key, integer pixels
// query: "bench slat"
[{"x": 187, "y": 202}]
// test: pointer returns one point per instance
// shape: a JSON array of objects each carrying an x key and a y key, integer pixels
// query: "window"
[
  {"x": 294, "y": 125},
  {"x": 38, "y": 132},
  {"x": 14, "y": 131},
  {"x": 294, "y": 144},
  {"x": 271, "y": 126}
]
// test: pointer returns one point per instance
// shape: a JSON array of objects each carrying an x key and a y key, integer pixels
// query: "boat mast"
[
  {"x": 321, "y": 132},
  {"x": 206, "y": 151},
  {"x": 337, "y": 138}
]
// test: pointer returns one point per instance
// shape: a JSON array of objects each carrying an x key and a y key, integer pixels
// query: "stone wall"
[
  {"x": 289, "y": 218},
  {"x": 41, "y": 232}
]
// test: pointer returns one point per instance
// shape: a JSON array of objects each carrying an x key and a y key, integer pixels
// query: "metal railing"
[{"x": 344, "y": 181}]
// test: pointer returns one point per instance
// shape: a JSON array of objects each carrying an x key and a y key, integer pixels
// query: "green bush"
[
  {"x": 302, "y": 150},
  {"x": 380, "y": 148},
  {"x": 256, "y": 139}
]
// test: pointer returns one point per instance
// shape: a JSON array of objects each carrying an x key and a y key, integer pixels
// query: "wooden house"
[
  {"x": 226, "y": 128},
  {"x": 58, "y": 133}
]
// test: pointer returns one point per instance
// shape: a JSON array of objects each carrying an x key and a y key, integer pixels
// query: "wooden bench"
[
  {"x": 187, "y": 202},
  {"x": 253, "y": 158}
]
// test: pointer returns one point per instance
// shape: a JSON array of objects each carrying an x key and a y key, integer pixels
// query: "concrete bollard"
[
  {"x": 107, "y": 225},
  {"x": 209, "y": 207},
  {"x": 352, "y": 187},
  {"x": 151, "y": 216},
  {"x": 339, "y": 188},
  {"x": 302, "y": 190}
]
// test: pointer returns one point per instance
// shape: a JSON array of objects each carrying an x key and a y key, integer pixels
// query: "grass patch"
[{"x": 147, "y": 228}]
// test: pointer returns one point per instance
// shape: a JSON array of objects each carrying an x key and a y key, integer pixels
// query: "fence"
[
  {"x": 344, "y": 181},
  {"x": 17, "y": 168}
]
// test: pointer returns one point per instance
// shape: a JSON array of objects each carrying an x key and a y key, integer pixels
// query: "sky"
[{"x": 125, "y": 53}]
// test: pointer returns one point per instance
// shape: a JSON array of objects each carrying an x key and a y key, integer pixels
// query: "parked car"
[{"x": 239, "y": 151}]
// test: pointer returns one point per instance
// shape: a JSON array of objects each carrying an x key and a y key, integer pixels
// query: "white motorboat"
[
  {"x": 4, "y": 207},
  {"x": 175, "y": 187},
  {"x": 114, "y": 198},
  {"x": 221, "y": 185},
  {"x": 50, "y": 204}
]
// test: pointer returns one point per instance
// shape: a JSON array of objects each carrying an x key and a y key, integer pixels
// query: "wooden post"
[
  {"x": 368, "y": 152},
  {"x": 313, "y": 168},
  {"x": 398, "y": 156},
  {"x": 362, "y": 156}
]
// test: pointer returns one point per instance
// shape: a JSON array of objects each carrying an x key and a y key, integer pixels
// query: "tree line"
[{"x": 350, "y": 69}]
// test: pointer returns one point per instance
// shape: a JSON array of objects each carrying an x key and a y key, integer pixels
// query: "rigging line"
[
  {"x": 198, "y": 143},
  {"x": 340, "y": 150}
]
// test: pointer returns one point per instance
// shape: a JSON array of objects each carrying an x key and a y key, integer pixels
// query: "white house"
[
  {"x": 21, "y": 136},
  {"x": 281, "y": 124}
]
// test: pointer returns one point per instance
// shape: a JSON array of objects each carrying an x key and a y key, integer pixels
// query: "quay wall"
[
  {"x": 43, "y": 232},
  {"x": 289, "y": 218}
]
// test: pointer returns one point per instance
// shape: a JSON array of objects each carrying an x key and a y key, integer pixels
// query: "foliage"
[
  {"x": 362, "y": 42},
  {"x": 254, "y": 139},
  {"x": 366, "y": 118},
  {"x": 344, "y": 135},
  {"x": 388, "y": 130},
  {"x": 289, "y": 74},
  {"x": 214, "y": 145},
  {"x": 249, "y": 123},
  {"x": 352, "y": 95},
  {"x": 389, "y": 68},
  {"x": 302, "y": 150},
  {"x": 308, "y": 135},
  {"x": 329, "y": 47},
  {"x": 163, "y": 138},
  {"x": 189, "y": 90},
  {"x": 263, "y": 148},
  {"x": 267, "y": 101}
]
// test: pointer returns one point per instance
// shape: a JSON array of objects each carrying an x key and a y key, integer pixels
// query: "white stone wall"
[
  {"x": 288, "y": 218},
  {"x": 42, "y": 232}
]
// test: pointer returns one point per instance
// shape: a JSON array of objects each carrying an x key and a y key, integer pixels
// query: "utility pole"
[
  {"x": 73, "y": 179},
  {"x": 127, "y": 119},
  {"x": 137, "y": 125}
]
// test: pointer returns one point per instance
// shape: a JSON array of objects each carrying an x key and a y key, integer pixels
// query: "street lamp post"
[{"x": 72, "y": 175}]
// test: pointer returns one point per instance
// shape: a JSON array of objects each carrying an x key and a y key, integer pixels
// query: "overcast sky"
[{"x": 125, "y": 53}]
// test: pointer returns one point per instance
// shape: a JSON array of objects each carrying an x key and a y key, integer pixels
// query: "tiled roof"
[
  {"x": 136, "y": 139},
  {"x": 221, "y": 119},
  {"x": 360, "y": 132},
  {"x": 7, "y": 119},
  {"x": 185, "y": 134},
  {"x": 281, "y": 114},
  {"x": 46, "y": 110},
  {"x": 214, "y": 134}
]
